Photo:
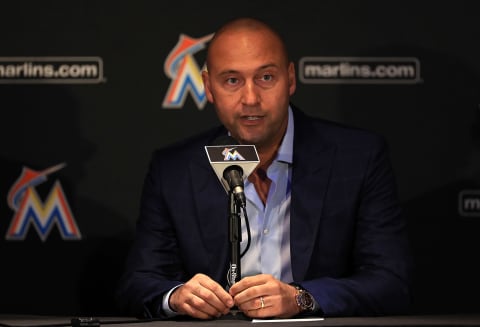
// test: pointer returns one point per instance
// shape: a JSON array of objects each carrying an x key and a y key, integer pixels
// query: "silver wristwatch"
[{"x": 305, "y": 300}]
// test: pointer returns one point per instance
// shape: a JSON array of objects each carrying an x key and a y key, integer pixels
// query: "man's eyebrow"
[
  {"x": 263, "y": 67},
  {"x": 229, "y": 71},
  {"x": 272, "y": 65}
]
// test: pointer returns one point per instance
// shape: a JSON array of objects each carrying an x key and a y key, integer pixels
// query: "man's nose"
[{"x": 250, "y": 95}]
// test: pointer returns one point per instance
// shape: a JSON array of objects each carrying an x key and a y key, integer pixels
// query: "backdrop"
[{"x": 88, "y": 89}]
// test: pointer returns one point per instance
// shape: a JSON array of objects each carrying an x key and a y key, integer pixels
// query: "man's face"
[{"x": 249, "y": 81}]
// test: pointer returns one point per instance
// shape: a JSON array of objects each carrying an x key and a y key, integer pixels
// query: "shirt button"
[{"x": 265, "y": 231}]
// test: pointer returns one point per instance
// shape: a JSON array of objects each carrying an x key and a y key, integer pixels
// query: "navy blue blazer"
[{"x": 348, "y": 238}]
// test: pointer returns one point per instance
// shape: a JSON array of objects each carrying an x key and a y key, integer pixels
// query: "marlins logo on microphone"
[
  {"x": 224, "y": 156},
  {"x": 229, "y": 155}
]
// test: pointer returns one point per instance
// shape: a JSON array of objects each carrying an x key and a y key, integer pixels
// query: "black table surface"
[{"x": 233, "y": 321}]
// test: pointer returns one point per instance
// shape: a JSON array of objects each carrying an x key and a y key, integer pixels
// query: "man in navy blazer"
[{"x": 347, "y": 251}]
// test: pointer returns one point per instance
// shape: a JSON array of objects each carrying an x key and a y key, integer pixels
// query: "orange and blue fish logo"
[
  {"x": 182, "y": 68},
  {"x": 30, "y": 211}
]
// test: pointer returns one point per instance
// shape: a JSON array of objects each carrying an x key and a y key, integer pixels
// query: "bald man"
[{"x": 327, "y": 234}]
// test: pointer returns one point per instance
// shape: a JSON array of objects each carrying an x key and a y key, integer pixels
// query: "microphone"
[
  {"x": 233, "y": 175},
  {"x": 232, "y": 163}
]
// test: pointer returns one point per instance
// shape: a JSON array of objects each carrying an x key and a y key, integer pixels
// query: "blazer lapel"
[
  {"x": 211, "y": 201},
  {"x": 312, "y": 163}
]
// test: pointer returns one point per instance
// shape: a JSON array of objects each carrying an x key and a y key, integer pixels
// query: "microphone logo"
[{"x": 229, "y": 155}]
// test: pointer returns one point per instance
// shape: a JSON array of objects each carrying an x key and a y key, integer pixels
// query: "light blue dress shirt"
[{"x": 269, "y": 252}]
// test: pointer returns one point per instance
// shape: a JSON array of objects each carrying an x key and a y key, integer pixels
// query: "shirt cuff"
[{"x": 165, "y": 306}]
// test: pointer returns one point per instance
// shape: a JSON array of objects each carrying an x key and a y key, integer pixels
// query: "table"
[{"x": 231, "y": 321}]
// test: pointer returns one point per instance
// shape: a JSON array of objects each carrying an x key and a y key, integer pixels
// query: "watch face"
[{"x": 305, "y": 300}]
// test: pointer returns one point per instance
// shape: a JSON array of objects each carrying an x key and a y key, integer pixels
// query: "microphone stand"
[{"x": 235, "y": 237}]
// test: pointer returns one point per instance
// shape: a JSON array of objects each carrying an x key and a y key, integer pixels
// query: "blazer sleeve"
[
  {"x": 372, "y": 277},
  {"x": 153, "y": 264}
]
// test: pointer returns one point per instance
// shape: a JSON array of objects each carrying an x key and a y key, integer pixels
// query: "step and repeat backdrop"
[{"x": 89, "y": 89}]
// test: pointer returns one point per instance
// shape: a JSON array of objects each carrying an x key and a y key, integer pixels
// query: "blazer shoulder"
[
  {"x": 334, "y": 133},
  {"x": 348, "y": 133}
]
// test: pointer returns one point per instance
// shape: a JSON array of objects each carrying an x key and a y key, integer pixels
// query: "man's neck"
[{"x": 266, "y": 156}]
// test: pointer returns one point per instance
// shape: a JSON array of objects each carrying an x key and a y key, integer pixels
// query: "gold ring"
[{"x": 262, "y": 303}]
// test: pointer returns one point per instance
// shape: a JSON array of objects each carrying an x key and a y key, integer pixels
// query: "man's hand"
[
  {"x": 201, "y": 297},
  {"x": 263, "y": 296}
]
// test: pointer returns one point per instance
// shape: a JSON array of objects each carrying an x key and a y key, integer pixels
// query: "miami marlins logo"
[
  {"x": 30, "y": 211},
  {"x": 181, "y": 67},
  {"x": 231, "y": 154}
]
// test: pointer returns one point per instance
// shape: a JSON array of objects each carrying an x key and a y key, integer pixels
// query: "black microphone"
[
  {"x": 233, "y": 174},
  {"x": 232, "y": 162}
]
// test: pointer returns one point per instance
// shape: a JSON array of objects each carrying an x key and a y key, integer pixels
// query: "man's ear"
[
  {"x": 292, "y": 81},
  {"x": 206, "y": 85}
]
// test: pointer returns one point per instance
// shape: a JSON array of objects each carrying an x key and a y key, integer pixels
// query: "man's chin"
[{"x": 255, "y": 140}]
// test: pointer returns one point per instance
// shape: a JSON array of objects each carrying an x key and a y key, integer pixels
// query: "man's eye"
[
  {"x": 232, "y": 80},
  {"x": 267, "y": 77}
]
